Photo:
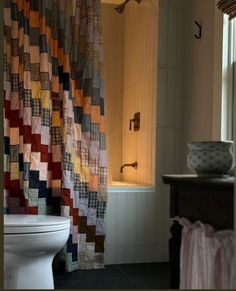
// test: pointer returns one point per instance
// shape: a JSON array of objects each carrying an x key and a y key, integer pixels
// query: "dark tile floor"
[{"x": 131, "y": 276}]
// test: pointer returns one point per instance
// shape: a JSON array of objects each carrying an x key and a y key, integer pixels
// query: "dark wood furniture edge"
[
  {"x": 228, "y": 181},
  {"x": 177, "y": 184}
]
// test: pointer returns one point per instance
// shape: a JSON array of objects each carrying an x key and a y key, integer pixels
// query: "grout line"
[{"x": 127, "y": 277}]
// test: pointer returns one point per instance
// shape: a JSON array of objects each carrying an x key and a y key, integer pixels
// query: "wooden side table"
[{"x": 210, "y": 200}]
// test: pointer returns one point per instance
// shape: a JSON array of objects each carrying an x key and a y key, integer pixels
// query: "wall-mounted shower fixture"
[
  {"x": 133, "y": 165},
  {"x": 120, "y": 8},
  {"x": 135, "y": 121}
]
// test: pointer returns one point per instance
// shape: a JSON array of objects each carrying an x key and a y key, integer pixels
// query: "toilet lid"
[{"x": 21, "y": 223}]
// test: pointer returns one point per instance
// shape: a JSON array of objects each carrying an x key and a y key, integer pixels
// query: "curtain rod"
[{"x": 120, "y": 8}]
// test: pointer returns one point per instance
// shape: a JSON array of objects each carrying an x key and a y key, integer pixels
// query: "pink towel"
[{"x": 206, "y": 256}]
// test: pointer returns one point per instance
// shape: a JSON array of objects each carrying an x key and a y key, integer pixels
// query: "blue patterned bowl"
[{"x": 210, "y": 158}]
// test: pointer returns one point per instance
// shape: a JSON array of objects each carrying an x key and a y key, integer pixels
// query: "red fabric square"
[
  {"x": 44, "y": 153},
  {"x": 75, "y": 213},
  {"x": 65, "y": 197},
  {"x": 7, "y": 180},
  {"x": 21, "y": 130},
  {"x": 56, "y": 171},
  {"x": 49, "y": 162},
  {"x": 27, "y": 136},
  {"x": 14, "y": 118},
  {"x": 7, "y": 106},
  {"x": 14, "y": 187},
  {"x": 36, "y": 143}
]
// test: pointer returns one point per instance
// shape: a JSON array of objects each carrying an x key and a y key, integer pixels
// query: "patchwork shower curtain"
[{"x": 55, "y": 158}]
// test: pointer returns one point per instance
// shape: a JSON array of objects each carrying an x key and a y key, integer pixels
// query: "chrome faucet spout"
[{"x": 133, "y": 165}]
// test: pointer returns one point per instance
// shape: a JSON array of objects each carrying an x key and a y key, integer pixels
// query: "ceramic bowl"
[{"x": 210, "y": 158}]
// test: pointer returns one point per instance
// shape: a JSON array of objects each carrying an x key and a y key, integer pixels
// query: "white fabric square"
[
  {"x": 83, "y": 207},
  {"x": 43, "y": 174},
  {"x": 36, "y": 125},
  {"x": 45, "y": 135},
  {"x": 35, "y": 161},
  {"x": 91, "y": 217}
]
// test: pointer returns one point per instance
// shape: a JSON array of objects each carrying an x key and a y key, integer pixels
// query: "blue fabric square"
[
  {"x": 72, "y": 248},
  {"x": 34, "y": 179},
  {"x": 42, "y": 189},
  {"x": 78, "y": 114},
  {"x": 6, "y": 145},
  {"x": 96, "y": 96},
  {"x": 86, "y": 123},
  {"x": 21, "y": 162}
]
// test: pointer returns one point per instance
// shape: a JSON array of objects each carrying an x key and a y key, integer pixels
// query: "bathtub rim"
[{"x": 131, "y": 188}]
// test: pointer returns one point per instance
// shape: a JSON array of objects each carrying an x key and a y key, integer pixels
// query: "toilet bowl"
[{"x": 30, "y": 244}]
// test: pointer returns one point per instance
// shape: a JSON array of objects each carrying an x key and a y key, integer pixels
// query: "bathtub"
[
  {"x": 134, "y": 225},
  {"x": 119, "y": 186}
]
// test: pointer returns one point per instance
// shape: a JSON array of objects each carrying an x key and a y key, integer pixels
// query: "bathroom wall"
[
  {"x": 202, "y": 115},
  {"x": 179, "y": 109},
  {"x": 170, "y": 104},
  {"x": 140, "y": 89},
  {"x": 188, "y": 103},
  {"x": 170, "y": 97},
  {"x": 189, "y": 82},
  {"x": 113, "y": 42},
  {"x": 189, "y": 90}
]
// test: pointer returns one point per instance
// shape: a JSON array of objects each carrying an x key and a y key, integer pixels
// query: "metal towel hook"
[{"x": 200, "y": 30}]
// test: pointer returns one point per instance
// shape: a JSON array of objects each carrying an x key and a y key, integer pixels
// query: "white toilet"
[{"x": 30, "y": 244}]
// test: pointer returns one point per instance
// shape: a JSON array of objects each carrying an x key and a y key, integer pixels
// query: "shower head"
[{"x": 120, "y": 8}]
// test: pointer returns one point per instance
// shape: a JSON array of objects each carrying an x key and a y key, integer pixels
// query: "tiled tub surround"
[
  {"x": 130, "y": 74},
  {"x": 134, "y": 225},
  {"x": 140, "y": 89}
]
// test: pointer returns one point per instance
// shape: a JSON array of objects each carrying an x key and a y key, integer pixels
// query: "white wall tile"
[
  {"x": 163, "y": 40},
  {"x": 161, "y": 149},
  {"x": 113, "y": 39},
  {"x": 140, "y": 77},
  {"x": 179, "y": 99},
  {"x": 161, "y": 253},
  {"x": 170, "y": 151},
  {"x": 115, "y": 157},
  {"x": 172, "y": 37},
  {"x": 121, "y": 219},
  {"x": 110, "y": 255},
  {"x": 121, "y": 254},
  {"x": 171, "y": 97},
  {"x": 140, "y": 226},
  {"x": 111, "y": 218},
  {"x": 151, "y": 228},
  {"x": 161, "y": 97},
  {"x": 131, "y": 226},
  {"x": 141, "y": 218},
  {"x": 180, "y": 40},
  {"x": 111, "y": 19},
  {"x": 163, "y": 3},
  {"x": 159, "y": 217},
  {"x": 131, "y": 254},
  {"x": 180, "y": 160}
]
